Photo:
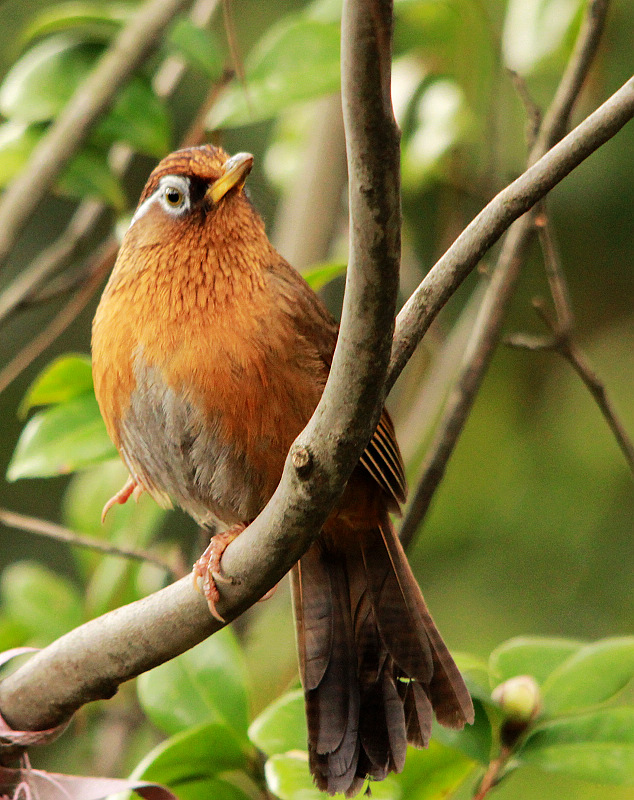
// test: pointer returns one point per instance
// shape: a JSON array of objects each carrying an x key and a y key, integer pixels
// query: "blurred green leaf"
[
  {"x": 281, "y": 726},
  {"x": 41, "y": 601},
  {"x": 288, "y": 777},
  {"x": 297, "y": 59},
  {"x": 198, "y": 46},
  {"x": 98, "y": 21},
  {"x": 63, "y": 379},
  {"x": 111, "y": 581},
  {"x": 476, "y": 675},
  {"x": 42, "y": 81},
  {"x": 592, "y": 675},
  {"x": 440, "y": 120},
  {"x": 320, "y": 274},
  {"x": 137, "y": 118},
  {"x": 201, "y": 751},
  {"x": 474, "y": 741},
  {"x": 88, "y": 173},
  {"x": 433, "y": 773},
  {"x": 528, "y": 655},
  {"x": 595, "y": 747},
  {"x": 212, "y": 788},
  {"x": 534, "y": 29},
  {"x": 205, "y": 684},
  {"x": 61, "y": 439},
  {"x": 12, "y": 633}
]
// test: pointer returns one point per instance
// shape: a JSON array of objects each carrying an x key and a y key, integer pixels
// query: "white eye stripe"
[{"x": 178, "y": 182}]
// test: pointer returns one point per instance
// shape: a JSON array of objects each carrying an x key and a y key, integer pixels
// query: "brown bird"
[{"x": 210, "y": 353}]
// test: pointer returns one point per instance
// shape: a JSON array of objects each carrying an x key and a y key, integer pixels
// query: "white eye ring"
[
  {"x": 173, "y": 194},
  {"x": 174, "y": 206}
]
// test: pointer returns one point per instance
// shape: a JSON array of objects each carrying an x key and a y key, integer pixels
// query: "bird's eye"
[{"x": 174, "y": 197}]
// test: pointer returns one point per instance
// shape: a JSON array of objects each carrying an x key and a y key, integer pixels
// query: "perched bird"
[{"x": 210, "y": 353}]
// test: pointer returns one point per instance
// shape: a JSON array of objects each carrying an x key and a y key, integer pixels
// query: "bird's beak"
[{"x": 235, "y": 173}]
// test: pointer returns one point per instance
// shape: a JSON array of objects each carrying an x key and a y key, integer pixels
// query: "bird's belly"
[{"x": 176, "y": 449}]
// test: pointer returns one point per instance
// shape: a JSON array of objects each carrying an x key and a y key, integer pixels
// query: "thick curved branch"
[
  {"x": 72, "y": 127},
  {"x": 90, "y": 662}
]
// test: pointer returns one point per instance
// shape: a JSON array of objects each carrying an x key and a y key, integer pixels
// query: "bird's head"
[{"x": 189, "y": 186}]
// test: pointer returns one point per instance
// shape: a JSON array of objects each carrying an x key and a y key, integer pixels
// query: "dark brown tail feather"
[{"x": 372, "y": 661}]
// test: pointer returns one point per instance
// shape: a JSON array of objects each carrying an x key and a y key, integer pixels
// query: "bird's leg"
[
  {"x": 207, "y": 570},
  {"x": 130, "y": 487}
]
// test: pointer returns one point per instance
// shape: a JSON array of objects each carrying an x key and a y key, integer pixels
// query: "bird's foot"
[
  {"x": 207, "y": 570},
  {"x": 131, "y": 487}
]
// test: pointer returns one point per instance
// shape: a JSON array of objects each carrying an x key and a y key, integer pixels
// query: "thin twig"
[
  {"x": 41, "y": 527},
  {"x": 105, "y": 257},
  {"x": 488, "y": 327},
  {"x": 563, "y": 342}
]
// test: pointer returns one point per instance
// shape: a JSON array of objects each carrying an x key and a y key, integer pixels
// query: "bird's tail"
[{"x": 374, "y": 667}]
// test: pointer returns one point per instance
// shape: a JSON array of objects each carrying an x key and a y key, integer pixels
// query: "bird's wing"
[{"x": 312, "y": 320}]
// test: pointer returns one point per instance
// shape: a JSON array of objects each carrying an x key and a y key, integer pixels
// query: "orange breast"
[{"x": 202, "y": 396}]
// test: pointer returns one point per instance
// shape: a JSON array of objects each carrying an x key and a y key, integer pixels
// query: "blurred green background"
[{"x": 531, "y": 530}]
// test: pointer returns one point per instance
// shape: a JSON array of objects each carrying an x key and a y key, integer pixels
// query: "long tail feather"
[{"x": 374, "y": 667}]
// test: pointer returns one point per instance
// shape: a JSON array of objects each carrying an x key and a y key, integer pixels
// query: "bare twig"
[
  {"x": 72, "y": 127},
  {"x": 488, "y": 326},
  {"x": 41, "y": 527},
  {"x": 62, "y": 677},
  {"x": 105, "y": 257}
]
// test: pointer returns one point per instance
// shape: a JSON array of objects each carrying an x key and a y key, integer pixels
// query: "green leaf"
[
  {"x": 441, "y": 120},
  {"x": 138, "y": 118},
  {"x": 198, "y": 46},
  {"x": 212, "y": 788},
  {"x": 63, "y": 379},
  {"x": 88, "y": 173},
  {"x": 61, "y": 439},
  {"x": 288, "y": 777},
  {"x": 297, "y": 59},
  {"x": 433, "y": 773},
  {"x": 46, "y": 77},
  {"x": 534, "y": 29},
  {"x": 474, "y": 741},
  {"x": 592, "y": 675},
  {"x": 320, "y": 274},
  {"x": 475, "y": 672},
  {"x": 39, "y": 600},
  {"x": 527, "y": 655},
  {"x": 281, "y": 726},
  {"x": 596, "y": 747},
  {"x": 202, "y": 751},
  {"x": 96, "y": 21},
  {"x": 205, "y": 684},
  {"x": 40, "y": 83}
]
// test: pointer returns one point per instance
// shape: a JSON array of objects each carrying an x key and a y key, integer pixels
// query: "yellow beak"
[{"x": 235, "y": 173}]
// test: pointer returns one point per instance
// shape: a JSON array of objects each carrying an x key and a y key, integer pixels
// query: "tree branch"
[{"x": 90, "y": 662}]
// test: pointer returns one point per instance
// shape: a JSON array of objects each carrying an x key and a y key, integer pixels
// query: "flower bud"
[{"x": 519, "y": 698}]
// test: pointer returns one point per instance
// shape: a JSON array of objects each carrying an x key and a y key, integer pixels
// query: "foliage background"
[{"x": 531, "y": 530}]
